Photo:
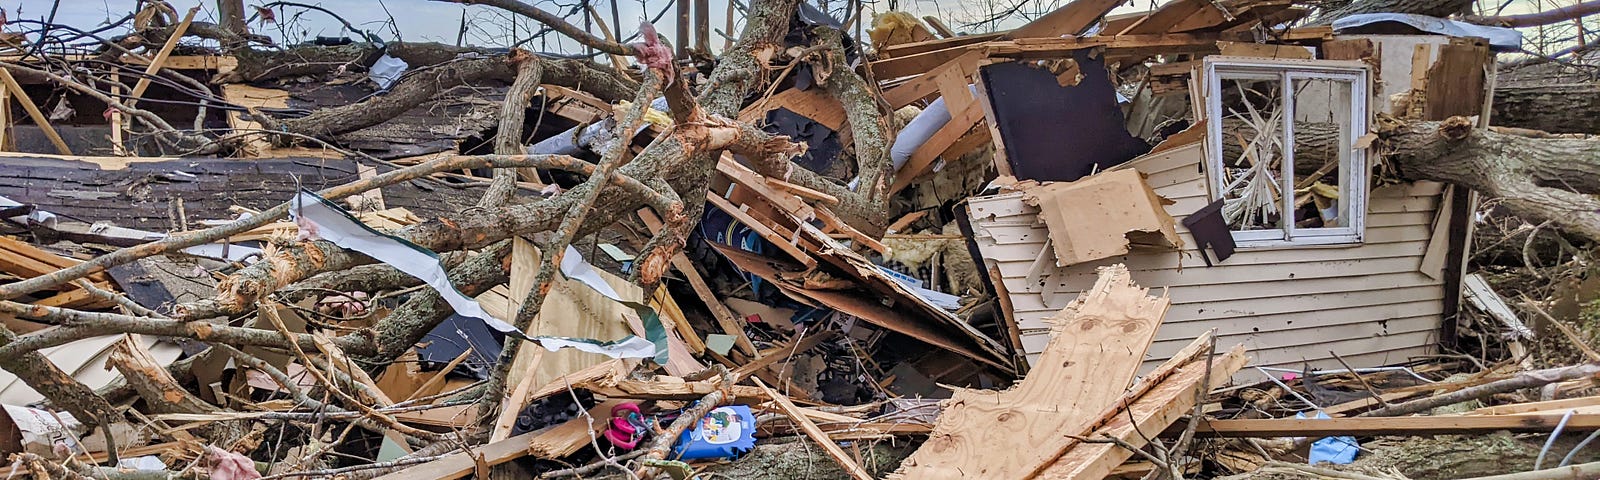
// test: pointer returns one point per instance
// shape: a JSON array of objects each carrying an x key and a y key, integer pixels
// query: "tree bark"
[
  {"x": 1571, "y": 108},
  {"x": 422, "y": 85},
  {"x": 1432, "y": 8},
  {"x": 1540, "y": 179},
  {"x": 1557, "y": 14}
]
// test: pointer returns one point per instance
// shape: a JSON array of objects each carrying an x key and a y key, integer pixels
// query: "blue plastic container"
[{"x": 726, "y": 432}]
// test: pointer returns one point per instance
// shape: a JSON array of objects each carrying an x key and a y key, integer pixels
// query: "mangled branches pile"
[{"x": 670, "y": 175}]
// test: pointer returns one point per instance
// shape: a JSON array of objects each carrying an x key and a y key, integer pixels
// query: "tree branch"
[{"x": 555, "y": 22}]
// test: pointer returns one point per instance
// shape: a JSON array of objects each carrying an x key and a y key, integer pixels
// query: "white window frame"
[{"x": 1287, "y": 73}]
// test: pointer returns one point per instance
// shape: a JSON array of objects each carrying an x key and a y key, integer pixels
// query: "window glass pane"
[
  {"x": 1322, "y": 152},
  {"x": 1252, "y": 151}
]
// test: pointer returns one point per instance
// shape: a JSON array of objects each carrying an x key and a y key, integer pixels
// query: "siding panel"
[{"x": 1288, "y": 305}]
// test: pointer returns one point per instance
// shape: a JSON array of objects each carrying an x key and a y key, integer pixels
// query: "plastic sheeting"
[{"x": 1500, "y": 39}]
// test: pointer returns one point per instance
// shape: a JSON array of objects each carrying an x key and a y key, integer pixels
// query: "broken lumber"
[
  {"x": 1156, "y": 410},
  {"x": 1374, "y": 426},
  {"x": 1097, "y": 345},
  {"x": 816, "y": 434},
  {"x": 1533, "y": 379}
]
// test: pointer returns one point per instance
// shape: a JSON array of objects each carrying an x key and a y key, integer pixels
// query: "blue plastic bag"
[{"x": 1335, "y": 450}]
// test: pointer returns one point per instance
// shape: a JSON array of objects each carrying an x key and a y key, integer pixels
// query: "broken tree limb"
[
  {"x": 662, "y": 444},
  {"x": 161, "y": 392},
  {"x": 508, "y": 136},
  {"x": 866, "y": 208},
  {"x": 1554, "y": 14},
  {"x": 61, "y": 389},
  {"x": 177, "y": 242},
  {"x": 421, "y": 86},
  {"x": 1565, "y": 108},
  {"x": 615, "y": 155},
  {"x": 555, "y": 22},
  {"x": 1533, "y": 379},
  {"x": 1538, "y": 179}
]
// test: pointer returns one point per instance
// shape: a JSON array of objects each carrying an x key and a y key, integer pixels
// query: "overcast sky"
[{"x": 430, "y": 20}]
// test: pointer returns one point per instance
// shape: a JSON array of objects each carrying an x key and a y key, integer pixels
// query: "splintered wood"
[{"x": 1097, "y": 344}]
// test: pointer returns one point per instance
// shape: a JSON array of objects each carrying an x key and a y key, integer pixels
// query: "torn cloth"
[{"x": 319, "y": 218}]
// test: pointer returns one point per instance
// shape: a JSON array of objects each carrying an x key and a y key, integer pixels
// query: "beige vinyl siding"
[{"x": 1369, "y": 302}]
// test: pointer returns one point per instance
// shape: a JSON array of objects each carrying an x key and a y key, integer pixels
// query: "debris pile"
[{"x": 1211, "y": 239}]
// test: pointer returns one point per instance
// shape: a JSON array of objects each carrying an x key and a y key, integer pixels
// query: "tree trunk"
[
  {"x": 1571, "y": 108},
  {"x": 1432, "y": 8},
  {"x": 424, "y": 85},
  {"x": 1540, "y": 179}
]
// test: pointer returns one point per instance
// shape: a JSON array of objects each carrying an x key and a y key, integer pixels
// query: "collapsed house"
[{"x": 1090, "y": 226}]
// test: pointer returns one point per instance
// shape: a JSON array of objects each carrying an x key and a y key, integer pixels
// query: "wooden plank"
[
  {"x": 1071, "y": 19},
  {"x": 783, "y": 352},
  {"x": 814, "y": 103},
  {"x": 1154, "y": 411},
  {"x": 944, "y": 140},
  {"x": 507, "y": 418},
  {"x": 762, "y": 229},
  {"x": 160, "y": 58},
  {"x": 920, "y": 63},
  {"x": 1456, "y": 82},
  {"x": 925, "y": 46},
  {"x": 833, "y": 221},
  {"x": 1531, "y": 407},
  {"x": 1167, "y": 16},
  {"x": 867, "y": 309},
  {"x": 668, "y": 308},
  {"x": 459, "y": 465},
  {"x": 816, "y": 434},
  {"x": 568, "y": 437},
  {"x": 1200, "y": 344},
  {"x": 1095, "y": 351},
  {"x": 1392, "y": 426},
  {"x": 34, "y": 113},
  {"x": 927, "y": 84},
  {"x": 757, "y": 184},
  {"x": 725, "y": 318},
  {"x": 1171, "y": 43}
]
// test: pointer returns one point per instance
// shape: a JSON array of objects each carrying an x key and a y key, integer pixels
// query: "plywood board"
[{"x": 1097, "y": 345}]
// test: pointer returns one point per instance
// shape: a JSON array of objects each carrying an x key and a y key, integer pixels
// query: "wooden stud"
[
  {"x": 816, "y": 434},
  {"x": 783, "y": 352},
  {"x": 617, "y": 61},
  {"x": 519, "y": 397},
  {"x": 725, "y": 318},
  {"x": 161, "y": 57},
  {"x": 941, "y": 141},
  {"x": 766, "y": 231},
  {"x": 1392, "y": 426},
  {"x": 34, "y": 113}
]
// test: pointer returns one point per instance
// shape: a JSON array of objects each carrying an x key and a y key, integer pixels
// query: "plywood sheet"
[{"x": 1097, "y": 344}]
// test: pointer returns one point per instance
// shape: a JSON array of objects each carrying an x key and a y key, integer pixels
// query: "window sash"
[{"x": 1356, "y": 167}]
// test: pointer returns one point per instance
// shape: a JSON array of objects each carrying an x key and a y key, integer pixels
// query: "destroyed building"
[{"x": 1160, "y": 244}]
